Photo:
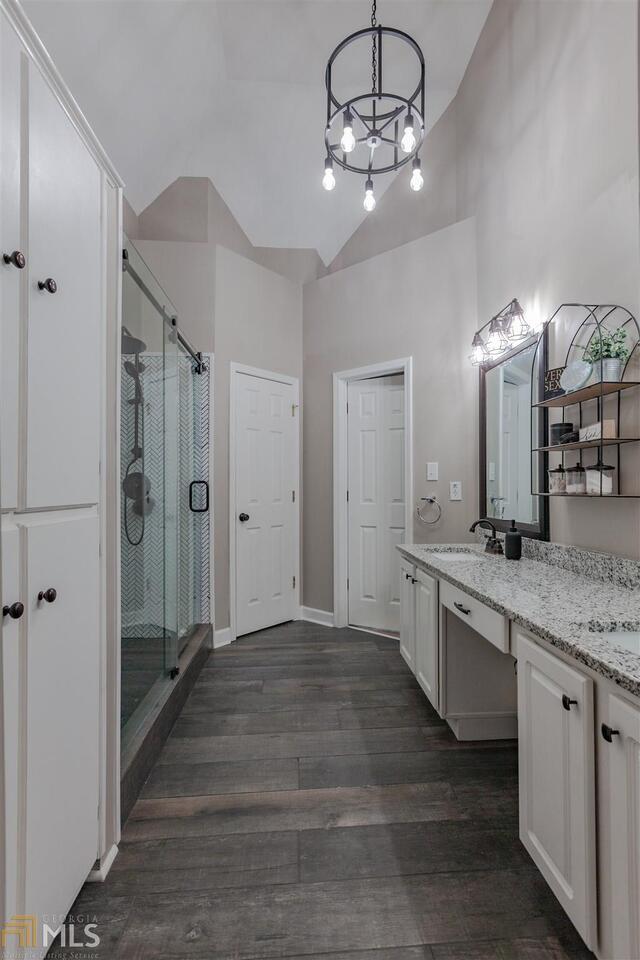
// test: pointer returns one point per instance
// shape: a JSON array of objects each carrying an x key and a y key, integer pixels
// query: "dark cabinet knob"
[
  {"x": 49, "y": 285},
  {"x": 243, "y": 517},
  {"x": 566, "y": 702},
  {"x": 609, "y": 733},
  {"x": 15, "y": 611},
  {"x": 49, "y": 595},
  {"x": 17, "y": 258}
]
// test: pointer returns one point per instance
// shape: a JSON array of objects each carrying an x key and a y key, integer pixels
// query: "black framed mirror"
[{"x": 509, "y": 427}]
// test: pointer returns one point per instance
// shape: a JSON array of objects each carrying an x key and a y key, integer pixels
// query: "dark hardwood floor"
[{"x": 310, "y": 803}]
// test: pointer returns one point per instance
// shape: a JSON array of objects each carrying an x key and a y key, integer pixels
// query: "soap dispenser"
[{"x": 513, "y": 543}]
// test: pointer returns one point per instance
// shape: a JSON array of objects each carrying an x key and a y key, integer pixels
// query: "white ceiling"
[{"x": 234, "y": 90}]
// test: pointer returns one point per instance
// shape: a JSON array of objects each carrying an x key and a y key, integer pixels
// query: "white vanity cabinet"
[
  {"x": 619, "y": 825},
  {"x": 426, "y": 633},
  {"x": 557, "y": 779},
  {"x": 407, "y": 613}
]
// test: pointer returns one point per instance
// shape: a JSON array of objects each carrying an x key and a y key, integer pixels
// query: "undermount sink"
[
  {"x": 627, "y": 639},
  {"x": 456, "y": 555}
]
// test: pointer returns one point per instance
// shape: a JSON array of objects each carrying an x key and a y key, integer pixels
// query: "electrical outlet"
[
  {"x": 455, "y": 490},
  {"x": 432, "y": 471}
]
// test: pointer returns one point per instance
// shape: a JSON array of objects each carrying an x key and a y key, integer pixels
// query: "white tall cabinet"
[{"x": 59, "y": 234}]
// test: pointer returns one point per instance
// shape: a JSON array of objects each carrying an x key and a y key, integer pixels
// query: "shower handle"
[{"x": 243, "y": 517}]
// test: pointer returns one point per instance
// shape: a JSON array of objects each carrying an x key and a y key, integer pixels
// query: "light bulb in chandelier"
[
  {"x": 369, "y": 202},
  {"x": 417, "y": 180},
  {"x": 497, "y": 343},
  {"x": 478, "y": 352},
  {"x": 408, "y": 142},
  {"x": 348, "y": 141},
  {"x": 329, "y": 180},
  {"x": 517, "y": 327}
]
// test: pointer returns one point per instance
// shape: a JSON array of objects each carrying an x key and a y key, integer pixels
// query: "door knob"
[
  {"x": 243, "y": 517},
  {"x": 49, "y": 595},
  {"x": 15, "y": 611},
  {"x": 17, "y": 258},
  {"x": 49, "y": 285}
]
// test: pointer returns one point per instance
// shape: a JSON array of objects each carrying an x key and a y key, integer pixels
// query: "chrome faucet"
[{"x": 493, "y": 544}]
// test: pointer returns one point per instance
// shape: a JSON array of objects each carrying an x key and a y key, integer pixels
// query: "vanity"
[{"x": 537, "y": 650}]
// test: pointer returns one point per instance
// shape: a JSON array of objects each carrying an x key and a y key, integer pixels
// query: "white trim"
[
  {"x": 99, "y": 874},
  {"x": 325, "y": 617},
  {"x": 341, "y": 381},
  {"x": 236, "y": 368},
  {"x": 211, "y": 361},
  {"x": 221, "y": 638}
]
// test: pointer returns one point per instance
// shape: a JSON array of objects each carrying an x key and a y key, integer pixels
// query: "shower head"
[{"x": 131, "y": 344}]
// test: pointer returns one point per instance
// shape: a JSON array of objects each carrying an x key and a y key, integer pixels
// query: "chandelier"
[{"x": 378, "y": 131}]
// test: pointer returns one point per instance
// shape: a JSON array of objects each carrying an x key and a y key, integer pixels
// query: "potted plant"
[{"x": 607, "y": 351}]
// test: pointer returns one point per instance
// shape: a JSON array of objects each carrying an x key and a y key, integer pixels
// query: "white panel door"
[
  {"x": 11, "y": 246},
  {"x": 64, "y": 330},
  {"x": 62, "y": 692},
  {"x": 376, "y": 500},
  {"x": 427, "y": 635},
  {"x": 624, "y": 824},
  {"x": 557, "y": 779},
  {"x": 407, "y": 613},
  {"x": 265, "y": 485},
  {"x": 13, "y": 624}
]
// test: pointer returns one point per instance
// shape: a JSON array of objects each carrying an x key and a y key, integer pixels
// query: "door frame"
[
  {"x": 234, "y": 369},
  {"x": 341, "y": 382}
]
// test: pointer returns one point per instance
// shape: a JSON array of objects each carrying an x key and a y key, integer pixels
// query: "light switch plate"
[
  {"x": 432, "y": 471},
  {"x": 455, "y": 490}
]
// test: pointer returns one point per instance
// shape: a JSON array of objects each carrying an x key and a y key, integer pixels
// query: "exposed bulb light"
[
  {"x": 369, "y": 202},
  {"x": 408, "y": 142},
  {"x": 517, "y": 327},
  {"x": 348, "y": 141},
  {"x": 329, "y": 180},
  {"x": 496, "y": 341},
  {"x": 417, "y": 180},
  {"x": 478, "y": 353}
]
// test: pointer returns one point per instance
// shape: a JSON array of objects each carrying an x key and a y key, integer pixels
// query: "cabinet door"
[
  {"x": 426, "y": 592},
  {"x": 557, "y": 779},
  {"x": 64, "y": 339},
  {"x": 407, "y": 614},
  {"x": 11, "y": 275},
  {"x": 624, "y": 826},
  {"x": 62, "y": 709},
  {"x": 12, "y": 639}
]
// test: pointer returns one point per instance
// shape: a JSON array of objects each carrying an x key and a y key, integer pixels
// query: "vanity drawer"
[{"x": 493, "y": 626}]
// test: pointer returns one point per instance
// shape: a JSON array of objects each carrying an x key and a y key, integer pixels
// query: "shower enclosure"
[{"x": 165, "y": 534}]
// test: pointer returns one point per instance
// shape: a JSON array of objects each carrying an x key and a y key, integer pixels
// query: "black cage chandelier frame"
[{"x": 374, "y": 123}]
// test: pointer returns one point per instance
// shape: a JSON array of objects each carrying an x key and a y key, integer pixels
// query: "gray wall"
[
  {"x": 418, "y": 300},
  {"x": 540, "y": 147}
]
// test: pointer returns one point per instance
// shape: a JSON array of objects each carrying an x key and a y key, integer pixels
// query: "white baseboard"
[
  {"x": 99, "y": 875},
  {"x": 325, "y": 617},
  {"x": 221, "y": 638}
]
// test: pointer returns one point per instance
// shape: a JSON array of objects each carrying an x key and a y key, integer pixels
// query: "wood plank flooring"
[{"x": 310, "y": 804}]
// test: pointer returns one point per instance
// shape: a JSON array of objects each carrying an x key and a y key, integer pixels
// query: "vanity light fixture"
[
  {"x": 381, "y": 130},
  {"x": 504, "y": 331}
]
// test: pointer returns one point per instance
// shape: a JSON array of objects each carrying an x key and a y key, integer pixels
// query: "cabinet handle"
[
  {"x": 566, "y": 702},
  {"x": 15, "y": 611},
  {"x": 408, "y": 576},
  {"x": 243, "y": 517},
  {"x": 413, "y": 580},
  {"x": 609, "y": 733},
  {"x": 49, "y": 595},
  {"x": 462, "y": 609},
  {"x": 17, "y": 258},
  {"x": 49, "y": 285}
]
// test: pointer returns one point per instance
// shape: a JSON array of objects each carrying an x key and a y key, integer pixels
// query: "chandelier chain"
[{"x": 374, "y": 58}]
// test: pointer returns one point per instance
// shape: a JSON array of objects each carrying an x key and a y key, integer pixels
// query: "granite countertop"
[{"x": 560, "y": 606}]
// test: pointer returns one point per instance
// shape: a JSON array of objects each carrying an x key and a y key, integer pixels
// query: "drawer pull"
[
  {"x": 49, "y": 595},
  {"x": 17, "y": 258},
  {"x": 49, "y": 285},
  {"x": 462, "y": 608},
  {"x": 609, "y": 733},
  {"x": 15, "y": 611},
  {"x": 566, "y": 702}
]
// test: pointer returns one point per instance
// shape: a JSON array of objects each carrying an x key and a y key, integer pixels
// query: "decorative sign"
[{"x": 552, "y": 386}]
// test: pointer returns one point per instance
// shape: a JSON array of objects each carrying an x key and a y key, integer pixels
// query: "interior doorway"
[
  {"x": 373, "y": 492},
  {"x": 263, "y": 499}
]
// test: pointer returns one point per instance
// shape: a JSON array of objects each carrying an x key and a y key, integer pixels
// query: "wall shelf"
[
  {"x": 590, "y": 392},
  {"x": 592, "y": 496},
  {"x": 585, "y": 444}
]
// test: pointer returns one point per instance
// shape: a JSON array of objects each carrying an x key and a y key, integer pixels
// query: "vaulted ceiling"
[{"x": 233, "y": 90}]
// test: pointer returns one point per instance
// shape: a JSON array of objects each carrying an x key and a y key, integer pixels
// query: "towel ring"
[{"x": 434, "y": 503}]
